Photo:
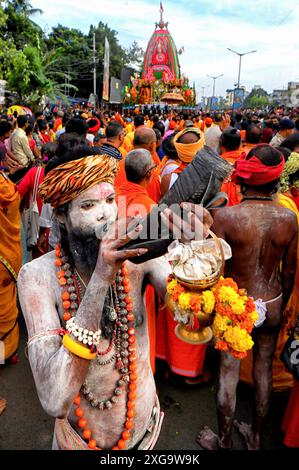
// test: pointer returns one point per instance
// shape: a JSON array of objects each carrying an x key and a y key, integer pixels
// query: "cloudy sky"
[{"x": 205, "y": 29}]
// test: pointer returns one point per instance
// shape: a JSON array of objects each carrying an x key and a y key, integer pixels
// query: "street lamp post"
[
  {"x": 203, "y": 93},
  {"x": 240, "y": 61},
  {"x": 214, "y": 80}
]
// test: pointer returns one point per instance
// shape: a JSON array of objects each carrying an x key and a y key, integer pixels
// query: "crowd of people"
[{"x": 65, "y": 172}]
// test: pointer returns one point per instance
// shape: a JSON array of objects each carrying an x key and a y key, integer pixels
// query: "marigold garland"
[{"x": 234, "y": 313}]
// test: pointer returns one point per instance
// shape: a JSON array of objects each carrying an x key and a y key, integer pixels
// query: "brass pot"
[{"x": 202, "y": 336}]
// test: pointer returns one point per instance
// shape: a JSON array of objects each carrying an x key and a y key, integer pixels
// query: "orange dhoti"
[
  {"x": 290, "y": 423},
  {"x": 9, "y": 330},
  {"x": 182, "y": 358},
  {"x": 10, "y": 264}
]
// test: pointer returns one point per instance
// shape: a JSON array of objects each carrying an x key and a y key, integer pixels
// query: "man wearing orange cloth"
[
  {"x": 183, "y": 359},
  {"x": 253, "y": 137},
  {"x": 144, "y": 138},
  {"x": 187, "y": 143},
  {"x": 84, "y": 310},
  {"x": 133, "y": 199},
  {"x": 230, "y": 150},
  {"x": 10, "y": 264},
  {"x": 128, "y": 142}
]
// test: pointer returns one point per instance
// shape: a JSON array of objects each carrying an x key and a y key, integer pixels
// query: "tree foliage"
[
  {"x": 36, "y": 65},
  {"x": 257, "y": 98},
  {"x": 135, "y": 55}
]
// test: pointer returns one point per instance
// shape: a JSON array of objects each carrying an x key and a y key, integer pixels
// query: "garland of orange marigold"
[{"x": 234, "y": 313}]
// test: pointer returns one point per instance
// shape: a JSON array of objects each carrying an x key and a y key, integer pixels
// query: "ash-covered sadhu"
[{"x": 85, "y": 314}]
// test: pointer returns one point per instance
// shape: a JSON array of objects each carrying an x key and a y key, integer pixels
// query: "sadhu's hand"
[
  {"x": 114, "y": 237},
  {"x": 194, "y": 225}
]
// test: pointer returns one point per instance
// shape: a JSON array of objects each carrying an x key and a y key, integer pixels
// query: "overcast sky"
[{"x": 205, "y": 28}]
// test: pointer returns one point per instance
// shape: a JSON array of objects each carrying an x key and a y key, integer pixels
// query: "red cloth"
[
  {"x": 32, "y": 144},
  {"x": 96, "y": 127},
  {"x": 295, "y": 196},
  {"x": 267, "y": 135},
  {"x": 182, "y": 358},
  {"x": 181, "y": 168},
  {"x": 58, "y": 123},
  {"x": 44, "y": 138},
  {"x": 230, "y": 188},
  {"x": 26, "y": 186},
  {"x": 290, "y": 423},
  {"x": 233, "y": 192},
  {"x": 254, "y": 172}
]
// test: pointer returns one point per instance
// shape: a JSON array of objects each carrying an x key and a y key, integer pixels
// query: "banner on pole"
[
  {"x": 115, "y": 90},
  {"x": 106, "y": 71},
  {"x": 239, "y": 96}
]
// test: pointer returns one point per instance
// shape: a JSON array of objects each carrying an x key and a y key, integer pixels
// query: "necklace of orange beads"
[{"x": 66, "y": 281}]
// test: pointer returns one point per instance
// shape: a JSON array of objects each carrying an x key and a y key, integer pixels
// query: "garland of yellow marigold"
[{"x": 234, "y": 313}]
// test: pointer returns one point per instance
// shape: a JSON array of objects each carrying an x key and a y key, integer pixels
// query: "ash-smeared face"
[{"x": 91, "y": 213}]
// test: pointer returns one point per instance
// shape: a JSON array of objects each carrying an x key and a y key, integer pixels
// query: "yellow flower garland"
[{"x": 234, "y": 311}]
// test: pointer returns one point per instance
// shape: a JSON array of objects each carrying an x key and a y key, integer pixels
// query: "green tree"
[
  {"x": 135, "y": 55},
  {"x": 257, "y": 98},
  {"x": 75, "y": 61},
  {"x": 30, "y": 77},
  {"x": 19, "y": 27}
]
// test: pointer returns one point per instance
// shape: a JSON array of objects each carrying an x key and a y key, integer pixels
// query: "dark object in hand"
[{"x": 199, "y": 183}]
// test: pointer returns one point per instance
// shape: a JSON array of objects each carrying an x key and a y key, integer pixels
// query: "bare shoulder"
[
  {"x": 223, "y": 218},
  {"x": 290, "y": 218},
  {"x": 38, "y": 272},
  {"x": 38, "y": 291},
  {"x": 223, "y": 214}
]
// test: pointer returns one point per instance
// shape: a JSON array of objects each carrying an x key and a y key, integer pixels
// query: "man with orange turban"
[
  {"x": 187, "y": 143},
  {"x": 83, "y": 306}
]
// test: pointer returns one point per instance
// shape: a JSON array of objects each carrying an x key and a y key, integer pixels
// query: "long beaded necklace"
[{"x": 123, "y": 340}]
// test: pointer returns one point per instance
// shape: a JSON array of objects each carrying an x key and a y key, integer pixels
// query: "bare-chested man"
[
  {"x": 263, "y": 237},
  {"x": 84, "y": 208}
]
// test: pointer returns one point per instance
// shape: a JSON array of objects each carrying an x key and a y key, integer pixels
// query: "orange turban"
[
  {"x": 65, "y": 182},
  {"x": 187, "y": 152}
]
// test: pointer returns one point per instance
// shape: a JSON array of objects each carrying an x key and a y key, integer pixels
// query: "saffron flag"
[{"x": 161, "y": 7}]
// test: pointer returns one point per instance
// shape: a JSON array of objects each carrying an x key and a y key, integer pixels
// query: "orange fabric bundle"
[
  {"x": 187, "y": 152},
  {"x": 65, "y": 182},
  {"x": 10, "y": 263}
]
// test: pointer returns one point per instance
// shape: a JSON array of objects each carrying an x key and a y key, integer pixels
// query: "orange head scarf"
[
  {"x": 65, "y": 182},
  {"x": 187, "y": 152}
]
